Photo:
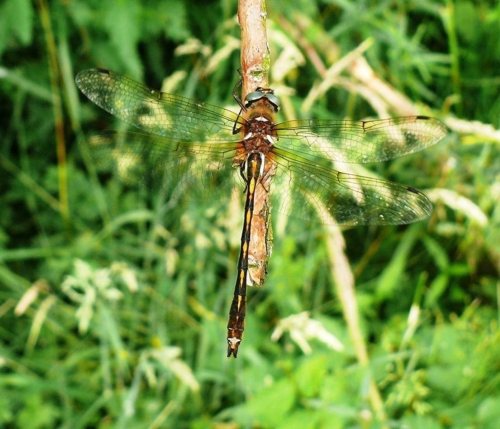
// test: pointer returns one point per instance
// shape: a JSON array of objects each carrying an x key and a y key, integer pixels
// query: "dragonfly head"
[{"x": 261, "y": 93}]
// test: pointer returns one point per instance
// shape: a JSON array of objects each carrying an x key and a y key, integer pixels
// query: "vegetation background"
[{"x": 113, "y": 309}]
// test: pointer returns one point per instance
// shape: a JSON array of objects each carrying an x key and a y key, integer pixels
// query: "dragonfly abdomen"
[{"x": 252, "y": 173}]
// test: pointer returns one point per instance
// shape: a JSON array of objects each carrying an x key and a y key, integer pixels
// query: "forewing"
[
  {"x": 176, "y": 118},
  {"x": 360, "y": 142}
]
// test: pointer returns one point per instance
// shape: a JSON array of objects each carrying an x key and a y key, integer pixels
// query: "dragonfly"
[{"x": 213, "y": 146}]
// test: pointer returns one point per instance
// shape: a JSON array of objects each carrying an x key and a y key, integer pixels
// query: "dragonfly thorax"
[
  {"x": 258, "y": 134},
  {"x": 257, "y": 130}
]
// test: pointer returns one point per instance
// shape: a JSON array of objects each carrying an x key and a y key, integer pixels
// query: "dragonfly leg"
[
  {"x": 243, "y": 176},
  {"x": 238, "y": 100},
  {"x": 236, "y": 90}
]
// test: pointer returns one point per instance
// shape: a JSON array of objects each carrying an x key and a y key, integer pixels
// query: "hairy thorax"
[{"x": 258, "y": 134}]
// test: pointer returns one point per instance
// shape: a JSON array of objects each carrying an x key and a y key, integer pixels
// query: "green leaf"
[
  {"x": 6, "y": 414},
  {"x": 489, "y": 412},
  {"x": 16, "y": 21},
  {"x": 175, "y": 19},
  {"x": 270, "y": 406},
  {"x": 420, "y": 422},
  {"x": 122, "y": 21},
  {"x": 466, "y": 17},
  {"x": 392, "y": 275},
  {"x": 436, "y": 290},
  {"x": 23, "y": 27},
  {"x": 301, "y": 419},
  {"x": 437, "y": 251},
  {"x": 310, "y": 375},
  {"x": 37, "y": 413}
]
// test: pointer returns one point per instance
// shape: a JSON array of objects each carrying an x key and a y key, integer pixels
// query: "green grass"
[{"x": 113, "y": 300}]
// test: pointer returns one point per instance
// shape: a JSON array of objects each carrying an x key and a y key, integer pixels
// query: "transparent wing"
[
  {"x": 177, "y": 118},
  {"x": 195, "y": 151},
  {"x": 198, "y": 171},
  {"x": 350, "y": 199},
  {"x": 360, "y": 142}
]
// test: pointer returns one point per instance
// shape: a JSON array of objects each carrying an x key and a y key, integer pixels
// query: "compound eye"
[
  {"x": 273, "y": 100},
  {"x": 252, "y": 97}
]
